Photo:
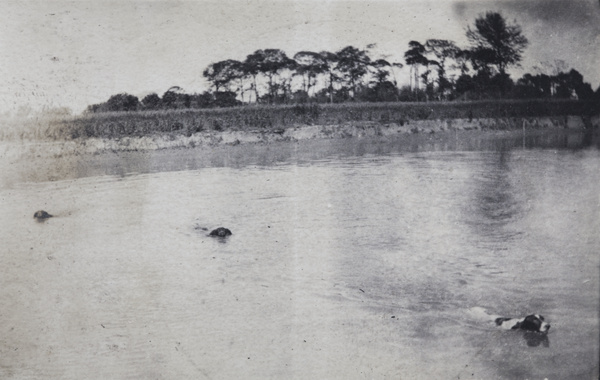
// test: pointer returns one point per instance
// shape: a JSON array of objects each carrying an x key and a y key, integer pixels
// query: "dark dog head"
[
  {"x": 220, "y": 232},
  {"x": 533, "y": 322},
  {"x": 41, "y": 215}
]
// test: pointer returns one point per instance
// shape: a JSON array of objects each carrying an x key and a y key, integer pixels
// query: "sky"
[{"x": 76, "y": 53}]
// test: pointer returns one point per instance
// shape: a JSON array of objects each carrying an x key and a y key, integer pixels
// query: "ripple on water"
[{"x": 358, "y": 264}]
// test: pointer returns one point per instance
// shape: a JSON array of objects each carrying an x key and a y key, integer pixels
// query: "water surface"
[{"x": 349, "y": 259}]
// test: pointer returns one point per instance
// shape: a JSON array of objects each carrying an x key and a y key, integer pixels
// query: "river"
[{"x": 349, "y": 259}]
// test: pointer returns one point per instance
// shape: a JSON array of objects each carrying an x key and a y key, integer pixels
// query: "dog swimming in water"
[
  {"x": 533, "y": 322},
  {"x": 41, "y": 215},
  {"x": 220, "y": 232}
]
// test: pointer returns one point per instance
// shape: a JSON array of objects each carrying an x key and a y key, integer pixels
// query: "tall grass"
[{"x": 278, "y": 117}]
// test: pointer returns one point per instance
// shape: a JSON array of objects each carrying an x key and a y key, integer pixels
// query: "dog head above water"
[{"x": 533, "y": 322}]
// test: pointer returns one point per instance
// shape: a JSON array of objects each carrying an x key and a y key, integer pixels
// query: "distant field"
[{"x": 277, "y": 118}]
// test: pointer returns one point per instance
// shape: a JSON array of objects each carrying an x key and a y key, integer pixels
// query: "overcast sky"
[{"x": 60, "y": 53}]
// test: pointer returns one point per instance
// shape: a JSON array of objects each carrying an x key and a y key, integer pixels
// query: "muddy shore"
[
  {"x": 435, "y": 129},
  {"x": 30, "y": 161}
]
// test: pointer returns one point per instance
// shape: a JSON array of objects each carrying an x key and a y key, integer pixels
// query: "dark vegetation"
[
  {"x": 275, "y": 118},
  {"x": 439, "y": 71}
]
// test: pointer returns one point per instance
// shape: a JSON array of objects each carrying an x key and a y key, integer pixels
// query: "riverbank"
[
  {"x": 55, "y": 161},
  {"x": 214, "y": 138}
]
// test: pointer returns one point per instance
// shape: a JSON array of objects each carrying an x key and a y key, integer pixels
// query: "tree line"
[{"x": 439, "y": 70}]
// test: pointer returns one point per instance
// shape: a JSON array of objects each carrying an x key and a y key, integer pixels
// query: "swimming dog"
[
  {"x": 41, "y": 215},
  {"x": 533, "y": 322},
  {"x": 220, "y": 232}
]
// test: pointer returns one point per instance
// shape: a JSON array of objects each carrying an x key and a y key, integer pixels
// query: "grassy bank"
[{"x": 280, "y": 117}]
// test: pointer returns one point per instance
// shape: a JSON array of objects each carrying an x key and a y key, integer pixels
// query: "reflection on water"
[
  {"x": 126, "y": 163},
  {"x": 495, "y": 197},
  {"x": 535, "y": 339},
  {"x": 349, "y": 259}
]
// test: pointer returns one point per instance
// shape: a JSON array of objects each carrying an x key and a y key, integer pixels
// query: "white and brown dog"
[
  {"x": 533, "y": 323},
  {"x": 530, "y": 323},
  {"x": 534, "y": 328}
]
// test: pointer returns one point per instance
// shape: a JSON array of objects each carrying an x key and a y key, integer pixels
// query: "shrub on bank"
[{"x": 277, "y": 117}]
